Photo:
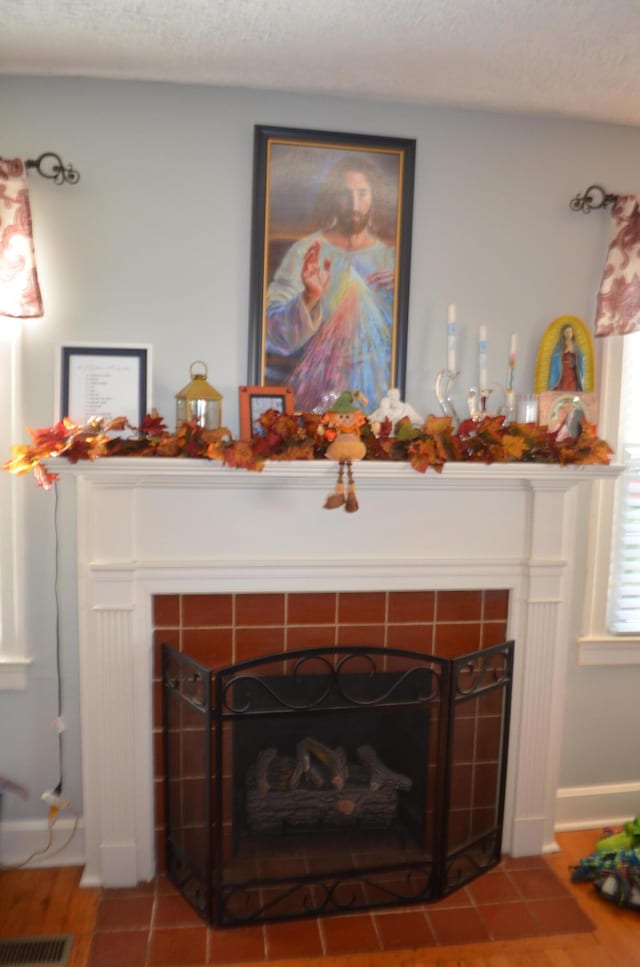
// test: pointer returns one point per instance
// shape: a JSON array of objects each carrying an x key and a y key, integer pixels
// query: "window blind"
[{"x": 624, "y": 589}]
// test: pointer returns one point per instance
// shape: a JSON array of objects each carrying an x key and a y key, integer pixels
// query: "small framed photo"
[
  {"x": 98, "y": 380},
  {"x": 565, "y": 413},
  {"x": 256, "y": 400}
]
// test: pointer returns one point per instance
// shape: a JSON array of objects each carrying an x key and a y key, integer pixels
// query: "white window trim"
[
  {"x": 14, "y": 660},
  {"x": 596, "y": 645}
]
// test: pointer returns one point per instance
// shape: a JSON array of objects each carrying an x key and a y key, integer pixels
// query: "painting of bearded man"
[{"x": 334, "y": 218}]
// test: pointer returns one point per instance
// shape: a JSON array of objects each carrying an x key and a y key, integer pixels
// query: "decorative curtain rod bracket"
[
  {"x": 50, "y": 165},
  {"x": 588, "y": 201}
]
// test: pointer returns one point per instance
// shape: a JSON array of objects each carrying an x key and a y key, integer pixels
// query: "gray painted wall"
[{"x": 153, "y": 246}]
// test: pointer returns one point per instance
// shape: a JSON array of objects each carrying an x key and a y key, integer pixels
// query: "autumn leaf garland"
[{"x": 296, "y": 437}]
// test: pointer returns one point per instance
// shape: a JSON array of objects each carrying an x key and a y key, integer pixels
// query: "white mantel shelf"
[
  {"x": 148, "y": 525},
  {"x": 316, "y": 473}
]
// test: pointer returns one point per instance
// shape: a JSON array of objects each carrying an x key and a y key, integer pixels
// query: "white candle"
[
  {"x": 512, "y": 360},
  {"x": 482, "y": 358},
  {"x": 451, "y": 338}
]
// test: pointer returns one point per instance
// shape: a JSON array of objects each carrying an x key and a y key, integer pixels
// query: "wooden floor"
[{"x": 50, "y": 901}]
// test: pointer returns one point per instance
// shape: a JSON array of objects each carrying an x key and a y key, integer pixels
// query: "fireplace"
[
  {"x": 325, "y": 781},
  {"x": 149, "y": 527}
]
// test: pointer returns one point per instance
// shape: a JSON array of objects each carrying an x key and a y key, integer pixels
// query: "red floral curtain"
[
  {"x": 19, "y": 290},
  {"x": 618, "y": 308}
]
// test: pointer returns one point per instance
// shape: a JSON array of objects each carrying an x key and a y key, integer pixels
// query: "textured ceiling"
[{"x": 571, "y": 58}]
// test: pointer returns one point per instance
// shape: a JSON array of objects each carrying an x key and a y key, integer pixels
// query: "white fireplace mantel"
[{"x": 149, "y": 526}]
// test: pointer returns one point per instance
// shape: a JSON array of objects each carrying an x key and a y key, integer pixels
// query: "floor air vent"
[{"x": 44, "y": 951}]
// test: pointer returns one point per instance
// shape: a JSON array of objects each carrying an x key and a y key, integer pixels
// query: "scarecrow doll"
[{"x": 341, "y": 426}]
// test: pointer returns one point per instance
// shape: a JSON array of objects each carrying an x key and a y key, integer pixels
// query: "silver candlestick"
[
  {"x": 477, "y": 403},
  {"x": 444, "y": 379}
]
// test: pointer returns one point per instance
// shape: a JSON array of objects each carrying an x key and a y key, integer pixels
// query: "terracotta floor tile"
[
  {"x": 403, "y": 930},
  {"x": 297, "y": 938},
  {"x": 116, "y": 949},
  {"x": 283, "y": 904},
  {"x": 234, "y": 945},
  {"x": 494, "y": 887},
  {"x": 539, "y": 884},
  {"x": 164, "y": 885},
  {"x": 142, "y": 889},
  {"x": 457, "y": 926},
  {"x": 124, "y": 913},
  {"x": 560, "y": 915},
  {"x": 509, "y": 922},
  {"x": 174, "y": 911},
  {"x": 349, "y": 935},
  {"x": 178, "y": 946},
  {"x": 459, "y": 898}
]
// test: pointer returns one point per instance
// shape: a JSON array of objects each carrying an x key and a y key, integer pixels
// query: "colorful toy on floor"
[
  {"x": 627, "y": 838},
  {"x": 614, "y": 872}
]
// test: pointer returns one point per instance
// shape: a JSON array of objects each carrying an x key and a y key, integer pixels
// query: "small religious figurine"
[
  {"x": 566, "y": 369},
  {"x": 392, "y": 408}
]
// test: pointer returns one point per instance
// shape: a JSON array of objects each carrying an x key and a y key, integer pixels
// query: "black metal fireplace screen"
[{"x": 325, "y": 781}]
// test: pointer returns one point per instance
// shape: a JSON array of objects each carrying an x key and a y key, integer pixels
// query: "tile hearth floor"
[{"x": 153, "y": 925}]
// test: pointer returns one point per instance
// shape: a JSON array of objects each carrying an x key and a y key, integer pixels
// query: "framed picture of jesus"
[{"x": 331, "y": 245}]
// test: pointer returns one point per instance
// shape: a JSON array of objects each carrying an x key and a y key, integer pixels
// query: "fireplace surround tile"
[
  {"x": 211, "y": 645},
  {"x": 366, "y": 607},
  {"x": 418, "y": 606},
  {"x": 415, "y": 637},
  {"x": 312, "y": 609},
  {"x": 496, "y": 605},
  {"x": 453, "y": 640},
  {"x": 259, "y": 610},
  {"x": 166, "y": 610},
  {"x": 207, "y": 610},
  {"x": 258, "y": 641},
  {"x": 426, "y": 621},
  {"x": 492, "y": 633},
  {"x": 372, "y": 635},
  {"x": 310, "y": 636},
  {"x": 459, "y": 606}
]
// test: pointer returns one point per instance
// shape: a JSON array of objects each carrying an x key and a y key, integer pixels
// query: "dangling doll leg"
[
  {"x": 351, "y": 504},
  {"x": 337, "y": 499}
]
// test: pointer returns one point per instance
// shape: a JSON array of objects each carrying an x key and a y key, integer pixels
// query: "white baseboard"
[
  {"x": 594, "y": 807},
  {"x": 20, "y": 839}
]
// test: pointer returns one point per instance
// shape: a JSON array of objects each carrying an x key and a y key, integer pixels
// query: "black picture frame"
[
  {"x": 105, "y": 381},
  {"x": 292, "y": 168}
]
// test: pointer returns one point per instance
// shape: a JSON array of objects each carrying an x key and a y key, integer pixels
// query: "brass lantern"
[{"x": 198, "y": 402}]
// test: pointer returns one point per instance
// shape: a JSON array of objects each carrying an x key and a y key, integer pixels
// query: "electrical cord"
[
  {"x": 46, "y": 849},
  {"x": 57, "y": 789}
]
